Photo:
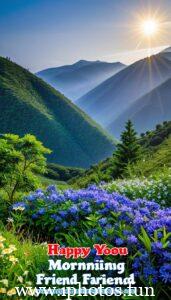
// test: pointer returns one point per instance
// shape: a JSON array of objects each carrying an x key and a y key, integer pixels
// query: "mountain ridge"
[
  {"x": 154, "y": 107},
  {"x": 29, "y": 105},
  {"x": 77, "y": 79},
  {"x": 109, "y": 99}
]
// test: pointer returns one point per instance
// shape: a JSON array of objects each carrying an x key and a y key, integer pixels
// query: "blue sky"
[{"x": 43, "y": 33}]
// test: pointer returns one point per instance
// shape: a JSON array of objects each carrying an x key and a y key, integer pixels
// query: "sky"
[{"x": 38, "y": 34}]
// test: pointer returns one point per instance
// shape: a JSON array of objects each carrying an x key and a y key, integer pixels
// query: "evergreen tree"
[{"x": 128, "y": 150}]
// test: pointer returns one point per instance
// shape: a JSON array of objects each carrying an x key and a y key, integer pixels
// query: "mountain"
[
  {"x": 152, "y": 108},
  {"x": 107, "y": 101},
  {"x": 166, "y": 53},
  {"x": 29, "y": 105},
  {"x": 77, "y": 79}
]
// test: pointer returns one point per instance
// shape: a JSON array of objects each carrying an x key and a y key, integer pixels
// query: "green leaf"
[{"x": 145, "y": 239}]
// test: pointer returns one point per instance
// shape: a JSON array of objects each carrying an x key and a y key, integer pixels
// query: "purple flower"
[{"x": 132, "y": 239}]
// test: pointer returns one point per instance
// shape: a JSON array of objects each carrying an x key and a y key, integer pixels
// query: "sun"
[{"x": 149, "y": 27}]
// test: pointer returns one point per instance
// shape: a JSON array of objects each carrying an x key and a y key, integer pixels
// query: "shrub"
[
  {"x": 20, "y": 160},
  {"x": 156, "y": 188},
  {"x": 94, "y": 215}
]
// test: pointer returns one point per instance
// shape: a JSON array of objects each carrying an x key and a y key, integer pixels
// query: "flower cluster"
[
  {"x": 102, "y": 216},
  {"x": 8, "y": 264},
  {"x": 158, "y": 189}
]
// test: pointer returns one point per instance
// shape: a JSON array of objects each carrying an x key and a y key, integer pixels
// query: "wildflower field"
[
  {"x": 125, "y": 211},
  {"x": 157, "y": 188},
  {"x": 95, "y": 215}
]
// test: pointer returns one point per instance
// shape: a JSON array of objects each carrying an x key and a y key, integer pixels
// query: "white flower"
[
  {"x": 10, "y": 220},
  {"x": 20, "y": 279},
  {"x": 5, "y": 282}
]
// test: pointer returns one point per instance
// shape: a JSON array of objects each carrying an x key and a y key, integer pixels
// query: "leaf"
[{"x": 145, "y": 239}]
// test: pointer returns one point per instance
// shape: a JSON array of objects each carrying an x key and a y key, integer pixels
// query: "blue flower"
[
  {"x": 73, "y": 209},
  {"x": 62, "y": 213},
  {"x": 39, "y": 193},
  {"x": 119, "y": 241},
  {"x": 157, "y": 247},
  {"x": 136, "y": 264},
  {"x": 85, "y": 207},
  {"x": 31, "y": 197},
  {"x": 34, "y": 216},
  {"x": 91, "y": 232},
  {"x": 149, "y": 271},
  {"x": 51, "y": 189},
  {"x": 65, "y": 224},
  {"x": 132, "y": 239},
  {"x": 73, "y": 223},
  {"x": 104, "y": 234},
  {"x": 18, "y": 205},
  {"x": 103, "y": 222},
  {"x": 165, "y": 273},
  {"x": 57, "y": 228},
  {"x": 41, "y": 211},
  {"x": 56, "y": 218}
]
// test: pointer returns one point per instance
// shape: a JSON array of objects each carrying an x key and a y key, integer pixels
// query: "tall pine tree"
[{"x": 128, "y": 150}]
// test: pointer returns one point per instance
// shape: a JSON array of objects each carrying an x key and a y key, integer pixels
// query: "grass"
[{"x": 45, "y": 181}]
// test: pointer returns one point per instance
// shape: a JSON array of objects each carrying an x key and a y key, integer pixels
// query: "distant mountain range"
[
  {"x": 29, "y": 105},
  {"x": 154, "y": 107},
  {"x": 112, "y": 102},
  {"x": 77, "y": 79},
  {"x": 166, "y": 53}
]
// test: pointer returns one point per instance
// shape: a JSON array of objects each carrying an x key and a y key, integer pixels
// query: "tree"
[
  {"x": 128, "y": 150},
  {"x": 21, "y": 159}
]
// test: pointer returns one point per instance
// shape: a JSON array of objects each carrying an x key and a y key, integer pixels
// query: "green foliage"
[
  {"x": 61, "y": 173},
  {"x": 20, "y": 261},
  {"x": 45, "y": 181},
  {"x": 20, "y": 160},
  {"x": 29, "y": 105},
  {"x": 155, "y": 137},
  {"x": 128, "y": 150},
  {"x": 97, "y": 173},
  {"x": 156, "y": 187},
  {"x": 142, "y": 226},
  {"x": 152, "y": 161}
]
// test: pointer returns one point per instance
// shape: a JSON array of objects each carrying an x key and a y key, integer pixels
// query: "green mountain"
[{"x": 29, "y": 105}]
